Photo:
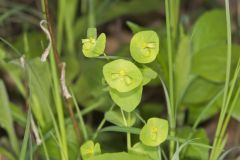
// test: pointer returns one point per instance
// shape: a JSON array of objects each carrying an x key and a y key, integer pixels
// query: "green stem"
[
  {"x": 60, "y": 23},
  {"x": 59, "y": 106},
  {"x": 80, "y": 116},
  {"x": 170, "y": 78},
  {"x": 91, "y": 14},
  {"x": 129, "y": 134},
  {"x": 218, "y": 140}
]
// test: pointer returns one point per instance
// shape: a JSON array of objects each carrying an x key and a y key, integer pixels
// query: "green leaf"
[
  {"x": 93, "y": 46},
  {"x": 115, "y": 117},
  {"x": 211, "y": 62},
  {"x": 144, "y": 46},
  {"x": 210, "y": 29},
  {"x": 119, "y": 156},
  {"x": 154, "y": 132},
  {"x": 135, "y": 27},
  {"x": 122, "y": 75},
  {"x": 19, "y": 116},
  {"x": 89, "y": 149},
  {"x": 6, "y": 120},
  {"x": 40, "y": 90},
  {"x": 194, "y": 152},
  {"x": 201, "y": 90},
  {"x": 182, "y": 67},
  {"x": 30, "y": 44},
  {"x": 127, "y": 101},
  {"x": 196, "y": 109},
  {"x": 148, "y": 74},
  {"x": 141, "y": 149},
  {"x": 15, "y": 72}
]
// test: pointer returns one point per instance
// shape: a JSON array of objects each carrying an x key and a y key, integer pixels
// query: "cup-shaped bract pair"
[
  {"x": 154, "y": 132},
  {"x": 125, "y": 81},
  {"x": 144, "y": 46},
  {"x": 93, "y": 46},
  {"x": 89, "y": 149}
]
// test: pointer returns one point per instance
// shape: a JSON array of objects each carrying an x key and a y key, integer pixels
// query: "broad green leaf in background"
[
  {"x": 6, "y": 120},
  {"x": 119, "y": 156},
  {"x": 122, "y": 75},
  {"x": 154, "y": 132},
  {"x": 19, "y": 116},
  {"x": 144, "y": 46},
  {"x": 40, "y": 90},
  {"x": 116, "y": 118},
  {"x": 73, "y": 143},
  {"x": 121, "y": 8},
  {"x": 210, "y": 29},
  {"x": 148, "y": 74},
  {"x": 211, "y": 62},
  {"x": 200, "y": 90},
  {"x": 127, "y": 101},
  {"x": 141, "y": 149},
  {"x": 89, "y": 149},
  {"x": 90, "y": 79},
  {"x": 182, "y": 67},
  {"x": 15, "y": 72},
  {"x": 196, "y": 109},
  {"x": 31, "y": 44},
  {"x": 194, "y": 152}
]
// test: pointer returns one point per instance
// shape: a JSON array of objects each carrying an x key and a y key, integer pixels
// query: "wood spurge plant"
[{"x": 83, "y": 80}]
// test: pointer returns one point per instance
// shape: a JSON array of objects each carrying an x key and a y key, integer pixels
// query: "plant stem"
[
  {"x": 218, "y": 140},
  {"x": 80, "y": 115},
  {"x": 59, "y": 107},
  {"x": 129, "y": 134},
  {"x": 60, "y": 22},
  {"x": 57, "y": 70},
  {"x": 91, "y": 14},
  {"x": 102, "y": 124},
  {"x": 170, "y": 78}
]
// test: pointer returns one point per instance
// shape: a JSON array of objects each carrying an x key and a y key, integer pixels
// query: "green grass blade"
[{"x": 24, "y": 151}]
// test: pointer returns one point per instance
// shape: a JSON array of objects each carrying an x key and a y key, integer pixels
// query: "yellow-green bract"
[
  {"x": 154, "y": 132},
  {"x": 144, "y": 46},
  {"x": 127, "y": 101},
  {"x": 92, "y": 46},
  {"x": 88, "y": 150},
  {"x": 122, "y": 75}
]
